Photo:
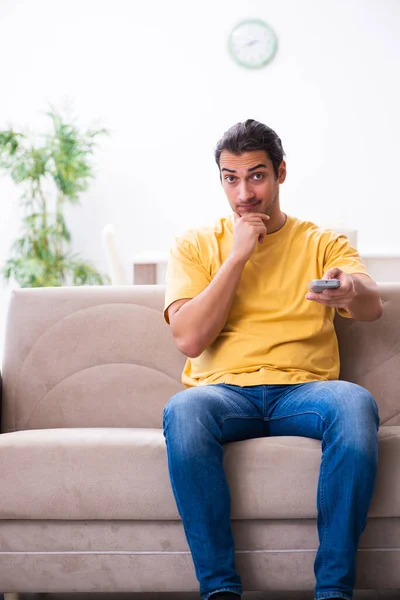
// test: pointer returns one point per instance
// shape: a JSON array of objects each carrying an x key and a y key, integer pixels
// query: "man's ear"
[{"x": 282, "y": 172}]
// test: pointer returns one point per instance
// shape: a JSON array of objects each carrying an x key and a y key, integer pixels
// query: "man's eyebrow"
[
  {"x": 248, "y": 170},
  {"x": 257, "y": 167}
]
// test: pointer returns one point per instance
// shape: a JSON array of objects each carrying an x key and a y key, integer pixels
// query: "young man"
[{"x": 263, "y": 361}]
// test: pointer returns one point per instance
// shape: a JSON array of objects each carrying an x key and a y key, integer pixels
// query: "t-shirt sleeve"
[
  {"x": 341, "y": 254},
  {"x": 186, "y": 275}
]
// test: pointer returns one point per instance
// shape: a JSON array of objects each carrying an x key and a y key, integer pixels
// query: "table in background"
[{"x": 149, "y": 267}]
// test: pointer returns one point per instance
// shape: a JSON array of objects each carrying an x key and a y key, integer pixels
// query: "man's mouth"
[{"x": 249, "y": 205}]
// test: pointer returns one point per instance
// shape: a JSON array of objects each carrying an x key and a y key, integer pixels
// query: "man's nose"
[{"x": 245, "y": 192}]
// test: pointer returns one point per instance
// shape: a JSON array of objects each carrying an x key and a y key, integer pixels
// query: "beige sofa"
[{"x": 86, "y": 503}]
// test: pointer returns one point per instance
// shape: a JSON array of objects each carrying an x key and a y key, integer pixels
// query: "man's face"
[{"x": 249, "y": 181}]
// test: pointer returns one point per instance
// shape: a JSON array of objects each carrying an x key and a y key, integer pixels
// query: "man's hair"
[{"x": 249, "y": 136}]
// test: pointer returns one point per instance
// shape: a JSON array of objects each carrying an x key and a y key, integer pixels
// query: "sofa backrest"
[
  {"x": 98, "y": 356},
  {"x": 104, "y": 357}
]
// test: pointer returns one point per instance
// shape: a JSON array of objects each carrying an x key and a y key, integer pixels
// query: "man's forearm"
[
  {"x": 198, "y": 322},
  {"x": 367, "y": 304}
]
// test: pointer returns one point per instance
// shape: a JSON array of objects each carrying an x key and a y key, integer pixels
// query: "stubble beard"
[{"x": 269, "y": 208}]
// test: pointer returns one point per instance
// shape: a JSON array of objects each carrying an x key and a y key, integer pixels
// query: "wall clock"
[{"x": 252, "y": 43}]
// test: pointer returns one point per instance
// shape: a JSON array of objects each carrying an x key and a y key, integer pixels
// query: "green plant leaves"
[
  {"x": 71, "y": 150},
  {"x": 41, "y": 257}
]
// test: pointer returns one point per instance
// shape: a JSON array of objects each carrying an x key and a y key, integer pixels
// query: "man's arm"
[
  {"x": 358, "y": 294},
  {"x": 196, "y": 323},
  {"x": 367, "y": 303}
]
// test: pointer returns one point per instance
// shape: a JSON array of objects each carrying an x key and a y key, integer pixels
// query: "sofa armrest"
[{"x": 1, "y": 390}]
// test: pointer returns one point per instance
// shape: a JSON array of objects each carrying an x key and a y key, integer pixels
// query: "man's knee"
[
  {"x": 186, "y": 406},
  {"x": 354, "y": 400},
  {"x": 354, "y": 417},
  {"x": 177, "y": 404}
]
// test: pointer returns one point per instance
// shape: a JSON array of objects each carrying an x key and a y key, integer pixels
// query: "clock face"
[{"x": 252, "y": 44}]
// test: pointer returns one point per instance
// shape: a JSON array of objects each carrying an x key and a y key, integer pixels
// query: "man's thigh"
[
  {"x": 233, "y": 413},
  {"x": 308, "y": 409}
]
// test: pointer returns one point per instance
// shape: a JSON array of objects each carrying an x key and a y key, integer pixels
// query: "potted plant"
[{"x": 52, "y": 171}]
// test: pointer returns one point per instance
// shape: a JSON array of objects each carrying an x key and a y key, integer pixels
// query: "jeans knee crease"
[
  {"x": 242, "y": 417},
  {"x": 298, "y": 414}
]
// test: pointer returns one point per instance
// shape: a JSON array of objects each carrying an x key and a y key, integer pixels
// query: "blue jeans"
[{"x": 199, "y": 420}]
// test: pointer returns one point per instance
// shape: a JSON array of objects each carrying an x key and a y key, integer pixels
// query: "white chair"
[
  {"x": 115, "y": 264},
  {"x": 6, "y": 289}
]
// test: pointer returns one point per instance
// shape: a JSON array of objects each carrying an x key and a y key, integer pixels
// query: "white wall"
[{"x": 158, "y": 75}]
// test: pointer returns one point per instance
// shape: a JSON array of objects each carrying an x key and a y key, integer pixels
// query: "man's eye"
[
  {"x": 258, "y": 176},
  {"x": 230, "y": 178}
]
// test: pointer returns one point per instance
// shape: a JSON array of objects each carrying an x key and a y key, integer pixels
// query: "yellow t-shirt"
[{"x": 273, "y": 335}]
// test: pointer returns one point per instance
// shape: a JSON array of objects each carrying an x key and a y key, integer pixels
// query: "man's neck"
[{"x": 276, "y": 222}]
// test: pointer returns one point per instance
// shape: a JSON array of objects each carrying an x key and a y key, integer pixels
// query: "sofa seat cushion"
[{"x": 112, "y": 473}]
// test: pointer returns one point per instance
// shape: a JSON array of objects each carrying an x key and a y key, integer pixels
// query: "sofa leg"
[{"x": 11, "y": 596}]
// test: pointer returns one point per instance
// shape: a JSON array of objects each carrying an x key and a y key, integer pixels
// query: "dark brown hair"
[{"x": 249, "y": 136}]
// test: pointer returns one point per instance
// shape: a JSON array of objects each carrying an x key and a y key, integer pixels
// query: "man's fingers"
[
  {"x": 261, "y": 230},
  {"x": 323, "y": 297},
  {"x": 339, "y": 293},
  {"x": 333, "y": 273},
  {"x": 265, "y": 218},
  {"x": 258, "y": 221},
  {"x": 255, "y": 217},
  {"x": 333, "y": 302}
]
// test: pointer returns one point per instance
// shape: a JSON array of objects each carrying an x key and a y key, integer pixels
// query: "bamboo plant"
[{"x": 52, "y": 172}]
